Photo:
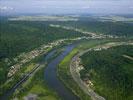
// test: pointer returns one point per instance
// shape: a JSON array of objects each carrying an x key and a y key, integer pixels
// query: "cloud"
[
  {"x": 131, "y": 7},
  {"x": 86, "y": 7},
  {"x": 66, "y": 7},
  {"x": 5, "y": 8}
]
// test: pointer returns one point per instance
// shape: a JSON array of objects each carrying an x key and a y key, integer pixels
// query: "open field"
[
  {"x": 35, "y": 86},
  {"x": 43, "y": 18}
]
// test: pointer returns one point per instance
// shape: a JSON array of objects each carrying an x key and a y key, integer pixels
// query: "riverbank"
[
  {"x": 76, "y": 67},
  {"x": 51, "y": 77},
  {"x": 64, "y": 70},
  {"x": 28, "y": 66},
  {"x": 36, "y": 87},
  {"x": 65, "y": 76}
]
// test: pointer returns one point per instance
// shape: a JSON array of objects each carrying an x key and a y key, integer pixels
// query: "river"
[{"x": 50, "y": 76}]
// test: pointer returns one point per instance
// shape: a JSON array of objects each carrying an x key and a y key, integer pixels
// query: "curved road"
[
  {"x": 51, "y": 77},
  {"x": 76, "y": 76}
]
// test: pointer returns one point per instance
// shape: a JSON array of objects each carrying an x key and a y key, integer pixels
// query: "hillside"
[{"x": 110, "y": 71}]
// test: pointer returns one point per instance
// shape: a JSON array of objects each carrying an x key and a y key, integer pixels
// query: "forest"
[
  {"x": 17, "y": 37},
  {"x": 23, "y": 36},
  {"x": 99, "y": 27},
  {"x": 110, "y": 72}
]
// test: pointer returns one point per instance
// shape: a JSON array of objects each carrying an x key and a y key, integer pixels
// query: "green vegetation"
[
  {"x": 37, "y": 86},
  {"x": 86, "y": 44},
  {"x": 64, "y": 72},
  {"x": 65, "y": 76},
  {"x": 23, "y": 36},
  {"x": 26, "y": 68},
  {"x": 29, "y": 68},
  {"x": 110, "y": 72},
  {"x": 112, "y": 28},
  {"x": 17, "y": 37}
]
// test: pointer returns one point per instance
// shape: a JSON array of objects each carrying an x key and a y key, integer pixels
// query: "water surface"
[{"x": 50, "y": 76}]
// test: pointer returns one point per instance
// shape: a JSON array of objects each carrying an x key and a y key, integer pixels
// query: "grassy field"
[
  {"x": 110, "y": 72},
  {"x": 37, "y": 86},
  {"x": 65, "y": 76},
  {"x": 26, "y": 68}
]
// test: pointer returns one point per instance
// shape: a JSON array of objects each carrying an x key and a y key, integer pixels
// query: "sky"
[{"x": 66, "y": 6}]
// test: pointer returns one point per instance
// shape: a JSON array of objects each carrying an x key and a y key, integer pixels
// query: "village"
[
  {"x": 27, "y": 57},
  {"x": 93, "y": 35}
]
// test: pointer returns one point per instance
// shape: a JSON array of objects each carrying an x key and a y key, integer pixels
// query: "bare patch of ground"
[{"x": 30, "y": 97}]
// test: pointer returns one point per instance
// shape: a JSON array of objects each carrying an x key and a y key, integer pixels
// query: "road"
[
  {"x": 75, "y": 72},
  {"x": 17, "y": 85}
]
